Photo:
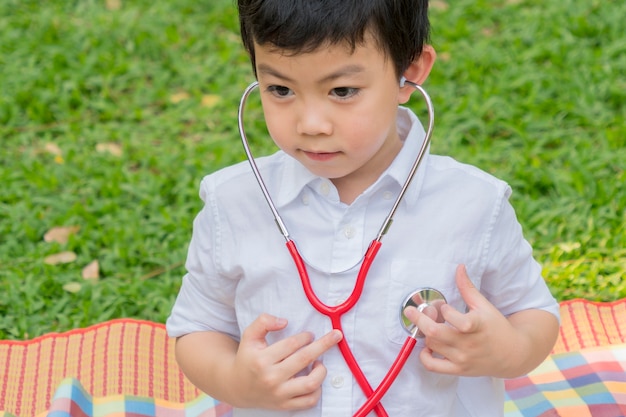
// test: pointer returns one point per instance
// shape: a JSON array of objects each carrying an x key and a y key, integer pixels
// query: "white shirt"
[{"x": 238, "y": 267}]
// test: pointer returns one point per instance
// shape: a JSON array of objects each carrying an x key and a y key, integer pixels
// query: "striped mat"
[
  {"x": 127, "y": 368},
  {"x": 586, "y": 383}
]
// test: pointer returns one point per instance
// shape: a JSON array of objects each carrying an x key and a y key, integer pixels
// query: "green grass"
[{"x": 531, "y": 91}]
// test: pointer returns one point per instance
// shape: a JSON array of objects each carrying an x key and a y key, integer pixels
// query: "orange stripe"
[
  {"x": 92, "y": 370},
  {"x": 3, "y": 393},
  {"x": 166, "y": 379},
  {"x": 136, "y": 363},
  {"x": 49, "y": 386},
  {"x": 593, "y": 332},
  {"x": 105, "y": 360},
  {"x": 151, "y": 365},
  {"x": 18, "y": 403},
  {"x": 37, "y": 368},
  {"x": 613, "y": 307},
  {"x": 120, "y": 361}
]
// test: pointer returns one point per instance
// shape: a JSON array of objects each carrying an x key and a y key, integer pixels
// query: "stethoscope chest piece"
[{"x": 427, "y": 301}]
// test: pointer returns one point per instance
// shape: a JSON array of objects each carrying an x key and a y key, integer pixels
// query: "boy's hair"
[{"x": 400, "y": 27}]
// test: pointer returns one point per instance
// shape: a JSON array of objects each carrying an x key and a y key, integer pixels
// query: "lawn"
[{"x": 111, "y": 111}]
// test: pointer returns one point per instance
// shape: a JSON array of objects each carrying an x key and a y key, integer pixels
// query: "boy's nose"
[{"x": 313, "y": 119}]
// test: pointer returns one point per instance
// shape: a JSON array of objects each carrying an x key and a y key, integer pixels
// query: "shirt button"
[
  {"x": 305, "y": 199},
  {"x": 387, "y": 195},
  {"x": 349, "y": 232},
  {"x": 337, "y": 381},
  {"x": 324, "y": 188}
]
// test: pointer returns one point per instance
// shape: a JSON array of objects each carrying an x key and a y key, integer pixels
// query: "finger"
[
  {"x": 422, "y": 319},
  {"x": 460, "y": 321},
  {"x": 283, "y": 349},
  {"x": 305, "y": 356},
  {"x": 472, "y": 297},
  {"x": 432, "y": 312},
  {"x": 439, "y": 337},
  {"x": 426, "y": 326},
  {"x": 465, "y": 322},
  {"x": 305, "y": 391},
  {"x": 257, "y": 331},
  {"x": 437, "y": 363},
  {"x": 304, "y": 402}
]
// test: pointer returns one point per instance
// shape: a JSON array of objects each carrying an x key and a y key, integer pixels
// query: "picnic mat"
[
  {"x": 127, "y": 368},
  {"x": 591, "y": 382}
]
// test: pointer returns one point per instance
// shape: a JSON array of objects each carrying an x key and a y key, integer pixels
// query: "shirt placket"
[{"x": 339, "y": 385}]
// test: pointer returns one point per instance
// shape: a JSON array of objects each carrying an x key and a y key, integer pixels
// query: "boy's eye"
[
  {"x": 279, "y": 90},
  {"x": 344, "y": 92}
]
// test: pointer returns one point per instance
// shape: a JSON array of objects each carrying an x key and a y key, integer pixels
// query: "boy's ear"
[{"x": 417, "y": 72}]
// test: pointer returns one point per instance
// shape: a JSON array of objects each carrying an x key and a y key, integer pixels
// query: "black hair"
[{"x": 400, "y": 27}]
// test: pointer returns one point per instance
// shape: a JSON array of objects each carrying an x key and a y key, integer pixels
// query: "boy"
[{"x": 329, "y": 77}]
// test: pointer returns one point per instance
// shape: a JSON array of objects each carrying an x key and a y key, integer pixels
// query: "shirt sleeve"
[
  {"x": 205, "y": 301},
  {"x": 512, "y": 279}
]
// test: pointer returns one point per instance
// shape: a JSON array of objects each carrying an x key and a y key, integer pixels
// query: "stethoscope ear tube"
[
  {"x": 255, "y": 170},
  {"x": 418, "y": 159}
]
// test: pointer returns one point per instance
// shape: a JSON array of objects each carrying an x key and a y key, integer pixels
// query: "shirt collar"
[{"x": 296, "y": 177}]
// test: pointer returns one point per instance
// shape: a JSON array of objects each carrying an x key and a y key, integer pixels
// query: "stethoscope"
[{"x": 425, "y": 299}]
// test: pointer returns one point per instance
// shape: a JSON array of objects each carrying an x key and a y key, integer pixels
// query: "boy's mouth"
[{"x": 320, "y": 156}]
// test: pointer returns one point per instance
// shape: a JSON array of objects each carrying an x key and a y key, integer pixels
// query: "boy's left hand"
[{"x": 483, "y": 342}]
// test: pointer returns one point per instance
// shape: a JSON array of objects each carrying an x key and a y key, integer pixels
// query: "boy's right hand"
[{"x": 265, "y": 376}]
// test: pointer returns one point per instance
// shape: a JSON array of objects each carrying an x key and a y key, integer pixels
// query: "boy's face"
[{"x": 334, "y": 110}]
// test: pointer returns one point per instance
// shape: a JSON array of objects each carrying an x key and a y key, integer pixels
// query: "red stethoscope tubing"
[
  {"x": 373, "y": 400},
  {"x": 334, "y": 313}
]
